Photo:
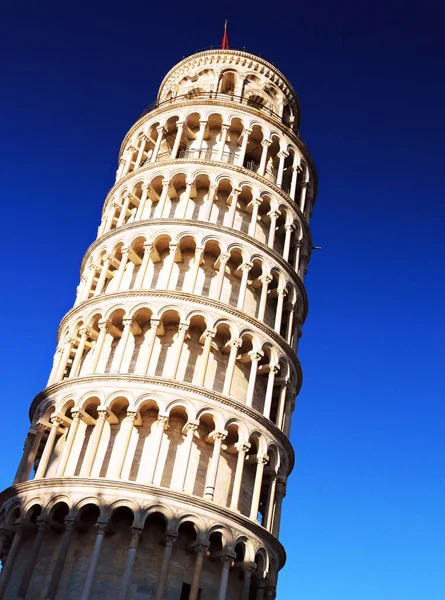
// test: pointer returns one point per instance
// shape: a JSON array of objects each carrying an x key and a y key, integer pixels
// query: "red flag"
[{"x": 225, "y": 40}]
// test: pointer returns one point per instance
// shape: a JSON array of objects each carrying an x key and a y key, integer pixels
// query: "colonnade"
[{"x": 60, "y": 528}]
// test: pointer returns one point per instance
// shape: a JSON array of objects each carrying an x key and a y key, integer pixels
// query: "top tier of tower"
[{"x": 240, "y": 75}]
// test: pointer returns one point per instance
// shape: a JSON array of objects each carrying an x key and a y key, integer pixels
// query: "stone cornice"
[
  {"x": 193, "y": 298},
  {"x": 97, "y": 486},
  {"x": 174, "y": 385},
  {"x": 218, "y": 164},
  {"x": 212, "y": 226}
]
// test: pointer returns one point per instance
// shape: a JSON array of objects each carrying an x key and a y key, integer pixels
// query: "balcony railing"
[
  {"x": 218, "y": 96},
  {"x": 211, "y": 154}
]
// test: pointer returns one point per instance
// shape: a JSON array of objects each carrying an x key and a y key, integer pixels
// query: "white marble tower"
[{"x": 157, "y": 458}]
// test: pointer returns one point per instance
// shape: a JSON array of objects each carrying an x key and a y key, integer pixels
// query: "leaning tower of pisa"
[{"x": 156, "y": 462}]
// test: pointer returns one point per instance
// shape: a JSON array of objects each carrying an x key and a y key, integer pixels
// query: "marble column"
[
  {"x": 200, "y": 550},
  {"x": 124, "y": 441},
  {"x": 194, "y": 269},
  {"x": 25, "y": 457},
  {"x": 165, "y": 565},
  {"x": 234, "y": 344},
  {"x": 158, "y": 435},
  {"x": 186, "y": 450},
  {"x": 248, "y": 569},
  {"x": 177, "y": 349},
  {"x": 207, "y": 208},
  {"x": 77, "y": 417},
  {"x": 85, "y": 332},
  {"x": 242, "y": 155},
  {"x": 223, "y": 139},
  {"x": 214, "y": 465},
  {"x": 64, "y": 360},
  {"x": 219, "y": 281},
  {"x": 104, "y": 328},
  {"x": 242, "y": 448},
  {"x": 42, "y": 526},
  {"x": 136, "y": 533},
  {"x": 262, "y": 168},
  {"x": 174, "y": 152},
  {"x": 39, "y": 430},
  {"x": 94, "y": 442},
  {"x": 202, "y": 371},
  {"x": 243, "y": 285},
  {"x": 265, "y": 281},
  {"x": 279, "y": 495},
  {"x": 60, "y": 560},
  {"x": 159, "y": 139},
  {"x": 273, "y": 370},
  {"x": 152, "y": 333},
  {"x": 8, "y": 567},
  {"x": 262, "y": 460},
  {"x": 282, "y": 156},
  {"x": 273, "y": 214},
  {"x": 254, "y": 357},
  {"x": 139, "y": 283},
  {"x": 279, "y": 310},
  {"x": 256, "y": 203},
  {"x": 94, "y": 558},
  {"x": 226, "y": 564},
  {"x": 47, "y": 451}
]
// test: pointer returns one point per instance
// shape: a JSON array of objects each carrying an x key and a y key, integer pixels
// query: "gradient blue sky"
[{"x": 364, "y": 513}]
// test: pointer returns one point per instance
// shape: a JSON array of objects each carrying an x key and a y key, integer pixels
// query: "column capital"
[
  {"x": 281, "y": 292},
  {"x": 225, "y": 127},
  {"x": 274, "y": 368},
  {"x": 127, "y": 322},
  {"x": 227, "y": 559},
  {"x": 213, "y": 186},
  {"x": 223, "y": 257},
  {"x": 266, "y": 279},
  {"x": 255, "y": 355},
  {"x": 236, "y": 191},
  {"x": 209, "y": 333},
  {"x": 246, "y": 266},
  {"x": 163, "y": 421},
  {"x": 166, "y": 183},
  {"x": 262, "y": 459},
  {"x": 243, "y": 446},
  {"x": 283, "y": 154},
  {"x": 132, "y": 415},
  {"x": 154, "y": 323},
  {"x": 183, "y": 327},
  {"x": 189, "y": 182},
  {"x": 249, "y": 567},
  {"x": 274, "y": 214},
  {"x": 218, "y": 435},
  {"x": 304, "y": 184},
  {"x": 191, "y": 426},
  {"x": 77, "y": 415},
  {"x": 42, "y": 524},
  {"x": 104, "y": 324},
  {"x": 201, "y": 548},
  {"x": 170, "y": 539},
  {"x": 136, "y": 533},
  {"x": 101, "y": 527},
  {"x": 85, "y": 331},
  {"x": 160, "y": 128},
  {"x": 148, "y": 247},
  {"x": 102, "y": 413},
  {"x": 69, "y": 524},
  {"x": 289, "y": 227},
  {"x": 236, "y": 343},
  {"x": 266, "y": 143},
  {"x": 56, "y": 420},
  {"x": 246, "y": 131},
  {"x": 281, "y": 488}
]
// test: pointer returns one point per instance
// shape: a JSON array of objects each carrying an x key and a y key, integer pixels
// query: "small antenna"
[{"x": 225, "y": 40}]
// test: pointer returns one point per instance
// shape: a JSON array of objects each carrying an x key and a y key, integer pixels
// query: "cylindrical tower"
[{"x": 160, "y": 444}]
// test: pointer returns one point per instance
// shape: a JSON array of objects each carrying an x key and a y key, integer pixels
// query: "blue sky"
[{"x": 364, "y": 513}]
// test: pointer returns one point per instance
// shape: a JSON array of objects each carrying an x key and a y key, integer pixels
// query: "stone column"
[
  {"x": 298, "y": 246},
  {"x": 200, "y": 136},
  {"x": 304, "y": 185},
  {"x": 46, "y": 454},
  {"x": 25, "y": 457},
  {"x": 170, "y": 263},
  {"x": 161, "y": 425},
  {"x": 94, "y": 442},
  {"x": 281, "y": 405},
  {"x": 165, "y": 565},
  {"x": 124, "y": 209},
  {"x": 290, "y": 325},
  {"x": 224, "y": 132},
  {"x": 279, "y": 495},
  {"x": 39, "y": 429},
  {"x": 255, "y": 357},
  {"x": 162, "y": 199},
  {"x": 207, "y": 209},
  {"x": 273, "y": 214},
  {"x": 122, "y": 346},
  {"x": 242, "y": 448},
  {"x": 60, "y": 560},
  {"x": 103, "y": 276},
  {"x": 42, "y": 525},
  {"x": 194, "y": 270},
  {"x": 273, "y": 370},
  {"x": 159, "y": 139},
  {"x": 279, "y": 310},
  {"x": 208, "y": 336},
  {"x": 130, "y": 151},
  {"x": 121, "y": 270},
  {"x": 200, "y": 550},
  {"x": 262, "y": 460},
  {"x": 269, "y": 512},
  {"x": 142, "y": 202},
  {"x": 223, "y": 258},
  {"x": 233, "y": 206},
  {"x": 289, "y": 229},
  {"x": 226, "y": 564},
  {"x": 288, "y": 414},
  {"x": 110, "y": 217},
  {"x": 77, "y": 417},
  {"x": 243, "y": 285},
  {"x": 104, "y": 328},
  {"x": 136, "y": 533},
  {"x": 64, "y": 360},
  {"x": 139, "y": 283},
  {"x": 120, "y": 168},
  {"x": 265, "y": 280},
  {"x": 124, "y": 441},
  {"x": 256, "y": 202},
  {"x": 242, "y": 154},
  {"x": 177, "y": 349},
  {"x": 101, "y": 529},
  {"x": 84, "y": 333},
  {"x": 143, "y": 140},
  {"x": 186, "y": 451},
  {"x": 154, "y": 326},
  {"x": 303, "y": 266},
  {"x": 248, "y": 569},
  {"x": 282, "y": 156},
  {"x": 214, "y": 465},
  {"x": 56, "y": 362},
  {"x": 262, "y": 167},
  {"x": 293, "y": 184},
  {"x": 180, "y": 127},
  {"x": 186, "y": 199},
  {"x": 10, "y": 560},
  {"x": 235, "y": 344}
]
